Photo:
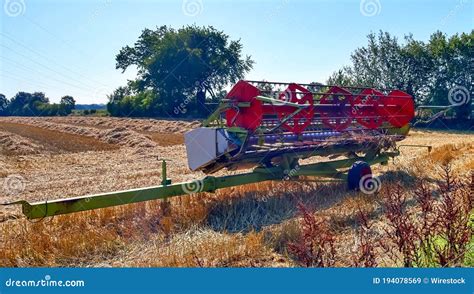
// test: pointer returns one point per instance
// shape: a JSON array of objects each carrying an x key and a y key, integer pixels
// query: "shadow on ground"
[{"x": 257, "y": 209}]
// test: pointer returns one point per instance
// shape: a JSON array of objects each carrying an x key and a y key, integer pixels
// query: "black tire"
[{"x": 358, "y": 170}]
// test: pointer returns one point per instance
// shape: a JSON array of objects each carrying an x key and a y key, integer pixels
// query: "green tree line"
[
  {"x": 34, "y": 104},
  {"x": 436, "y": 72}
]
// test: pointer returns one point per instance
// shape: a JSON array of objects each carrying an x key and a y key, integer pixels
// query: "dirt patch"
[
  {"x": 166, "y": 139},
  {"x": 55, "y": 141}
]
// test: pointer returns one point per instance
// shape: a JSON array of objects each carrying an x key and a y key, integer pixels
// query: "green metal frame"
[{"x": 288, "y": 169}]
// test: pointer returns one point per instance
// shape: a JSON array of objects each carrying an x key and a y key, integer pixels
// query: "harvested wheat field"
[{"x": 270, "y": 224}]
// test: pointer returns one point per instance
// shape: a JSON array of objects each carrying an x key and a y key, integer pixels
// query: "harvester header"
[
  {"x": 259, "y": 121},
  {"x": 270, "y": 127}
]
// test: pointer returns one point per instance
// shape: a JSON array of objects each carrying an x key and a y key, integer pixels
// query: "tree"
[
  {"x": 452, "y": 63},
  {"x": 144, "y": 103},
  {"x": 426, "y": 70},
  {"x": 119, "y": 94},
  {"x": 68, "y": 100},
  {"x": 180, "y": 65},
  {"x": 67, "y": 104},
  {"x": 379, "y": 64},
  {"x": 117, "y": 102},
  {"x": 37, "y": 104},
  {"x": 342, "y": 77},
  {"x": 3, "y": 105},
  {"x": 19, "y": 104}
]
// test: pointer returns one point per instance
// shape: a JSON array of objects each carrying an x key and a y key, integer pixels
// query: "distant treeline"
[
  {"x": 34, "y": 104},
  {"x": 436, "y": 72}
]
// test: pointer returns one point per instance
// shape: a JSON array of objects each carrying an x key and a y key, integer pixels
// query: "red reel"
[
  {"x": 366, "y": 108},
  {"x": 339, "y": 116},
  {"x": 399, "y": 108},
  {"x": 248, "y": 118},
  {"x": 296, "y": 94}
]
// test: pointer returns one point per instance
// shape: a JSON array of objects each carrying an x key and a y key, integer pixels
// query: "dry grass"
[
  {"x": 243, "y": 226},
  {"x": 12, "y": 144},
  {"x": 208, "y": 248},
  {"x": 137, "y": 125}
]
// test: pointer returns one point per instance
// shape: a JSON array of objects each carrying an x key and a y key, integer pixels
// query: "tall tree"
[
  {"x": 452, "y": 68},
  {"x": 19, "y": 104},
  {"x": 66, "y": 105},
  {"x": 184, "y": 64},
  {"x": 68, "y": 100}
]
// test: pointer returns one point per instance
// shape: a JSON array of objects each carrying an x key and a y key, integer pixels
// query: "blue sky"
[{"x": 69, "y": 47}]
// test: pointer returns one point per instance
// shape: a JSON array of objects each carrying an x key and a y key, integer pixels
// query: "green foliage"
[
  {"x": 3, "y": 105},
  {"x": 92, "y": 112},
  {"x": 426, "y": 70},
  {"x": 35, "y": 104},
  {"x": 342, "y": 77},
  {"x": 144, "y": 103},
  {"x": 67, "y": 105},
  {"x": 469, "y": 257},
  {"x": 177, "y": 68},
  {"x": 439, "y": 243}
]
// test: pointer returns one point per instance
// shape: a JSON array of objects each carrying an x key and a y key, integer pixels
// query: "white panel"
[
  {"x": 222, "y": 142},
  {"x": 200, "y": 146}
]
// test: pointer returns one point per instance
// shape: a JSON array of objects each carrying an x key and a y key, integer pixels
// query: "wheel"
[{"x": 357, "y": 171}]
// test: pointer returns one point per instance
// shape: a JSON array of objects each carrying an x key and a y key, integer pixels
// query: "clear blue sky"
[{"x": 69, "y": 47}]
